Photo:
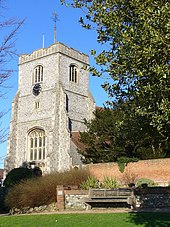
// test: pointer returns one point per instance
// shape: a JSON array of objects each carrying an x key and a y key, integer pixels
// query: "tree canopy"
[
  {"x": 136, "y": 34},
  {"x": 112, "y": 136}
]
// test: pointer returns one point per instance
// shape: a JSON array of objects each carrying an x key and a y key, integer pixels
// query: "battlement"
[{"x": 53, "y": 49}]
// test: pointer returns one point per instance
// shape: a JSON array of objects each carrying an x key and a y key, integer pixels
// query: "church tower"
[{"x": 50, "y": 106}]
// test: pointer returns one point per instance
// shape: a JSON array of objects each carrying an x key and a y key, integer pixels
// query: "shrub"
[
  {"x": 145, "y": 182},
  {"x": 3, "y": 192},
  {"x": 36, "y": 172},
  {"x": 16, "y": 175},
  {"x": 131, "y": 185},
  {"x": 91, "y": 182},
  {"x": 42, "y": 190},
  {"x": 109, "y": 183}
]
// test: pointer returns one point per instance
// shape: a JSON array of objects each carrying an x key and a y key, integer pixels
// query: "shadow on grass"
[{"x": 150, "y": 219}]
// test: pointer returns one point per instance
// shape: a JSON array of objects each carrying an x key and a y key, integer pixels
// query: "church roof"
[{"x": 75, "y": 137}]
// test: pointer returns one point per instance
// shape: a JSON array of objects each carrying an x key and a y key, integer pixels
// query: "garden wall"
[
  {"x": 74, "y": 199},
  {"x": 157, "y": 170},
  {"x": 153, "y": 197}
]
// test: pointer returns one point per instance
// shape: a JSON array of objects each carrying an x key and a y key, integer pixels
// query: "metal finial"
[{"x": 55, "y": 18}]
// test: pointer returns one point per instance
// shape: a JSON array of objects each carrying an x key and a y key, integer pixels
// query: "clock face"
[{"x": 36, "y": 89}]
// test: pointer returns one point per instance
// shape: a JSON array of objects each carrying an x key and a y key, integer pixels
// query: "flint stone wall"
[
  {"x": 156, "y": 197},
  {"x": 74, "y": 199},
  {"x": 27, "y": 210},
  {"x": 153, "y": 197}
]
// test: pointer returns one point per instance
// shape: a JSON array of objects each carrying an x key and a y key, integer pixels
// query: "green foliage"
[
  {"x": 135, "y": 56},
  {"x": 131, "y": 185},
  {"x": 16, "y": 175},
  {"x": 123, "y": 161},
  {"x": 100, "y": 137},
  {"x": 109, "y": 183},
  {"x": 91, "y": 182},
  {"x": 111, "y": 136},
  {"x": 42, "y": 190},
  {"x": 121, "y": 166},
  {"x": 145, "y": 181},
  {"x": 36, "y": 172},
  {"x": 22, "y": 173},
  {"x": 137, "y": 53}
]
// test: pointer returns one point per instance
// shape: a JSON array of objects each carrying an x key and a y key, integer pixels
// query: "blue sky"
[{"x": 38, "y": 14}]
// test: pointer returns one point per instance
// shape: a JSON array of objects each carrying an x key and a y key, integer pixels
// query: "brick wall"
[{"x": 155, "y": 169}]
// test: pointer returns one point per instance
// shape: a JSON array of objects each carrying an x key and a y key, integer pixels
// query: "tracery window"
[
  {"x": 36, "y": 145},
  {"x": 38, "y": 74},
  {"x": 73, "y": 76}
]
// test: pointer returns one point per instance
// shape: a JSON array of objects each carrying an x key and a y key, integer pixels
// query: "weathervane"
[{"x": 55, "y": 18}]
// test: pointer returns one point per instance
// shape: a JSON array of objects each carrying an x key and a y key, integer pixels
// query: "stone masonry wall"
[
  {"x": 74, "y": 199},
  {"x": 52, "y": 116},
  {"x": 152, "y": 197},
  {"x": 158, "y": 197}
]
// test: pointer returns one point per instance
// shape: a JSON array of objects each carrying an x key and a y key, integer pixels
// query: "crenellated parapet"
[{"x": 53, "y": 49}]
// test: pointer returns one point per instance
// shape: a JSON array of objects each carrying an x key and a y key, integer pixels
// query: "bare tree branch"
[{"x": 8, "y": 29}]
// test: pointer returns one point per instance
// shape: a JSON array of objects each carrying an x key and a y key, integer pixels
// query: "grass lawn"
[{"x": 88, "y": 220}]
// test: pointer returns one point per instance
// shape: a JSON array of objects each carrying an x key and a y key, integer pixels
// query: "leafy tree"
[
  {"x": 113, "y": 136},
  {"x": 100, "y": 137},
  {"x": 136, "y": 50},
  {"x": 8, "y": 28}
]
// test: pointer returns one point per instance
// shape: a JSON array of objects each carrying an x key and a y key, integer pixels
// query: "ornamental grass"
[{"x": 42, "y": 190}]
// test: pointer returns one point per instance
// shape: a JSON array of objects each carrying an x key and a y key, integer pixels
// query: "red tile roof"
[
  {"x": 75, "y": 137},
  {"x": 1, "y": 173}
]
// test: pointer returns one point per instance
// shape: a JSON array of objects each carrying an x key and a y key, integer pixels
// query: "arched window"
[
  {"x": 36, "y": 145},
  {"x": 38, "y": 74},
  {"x": 73, "y": 76}
]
